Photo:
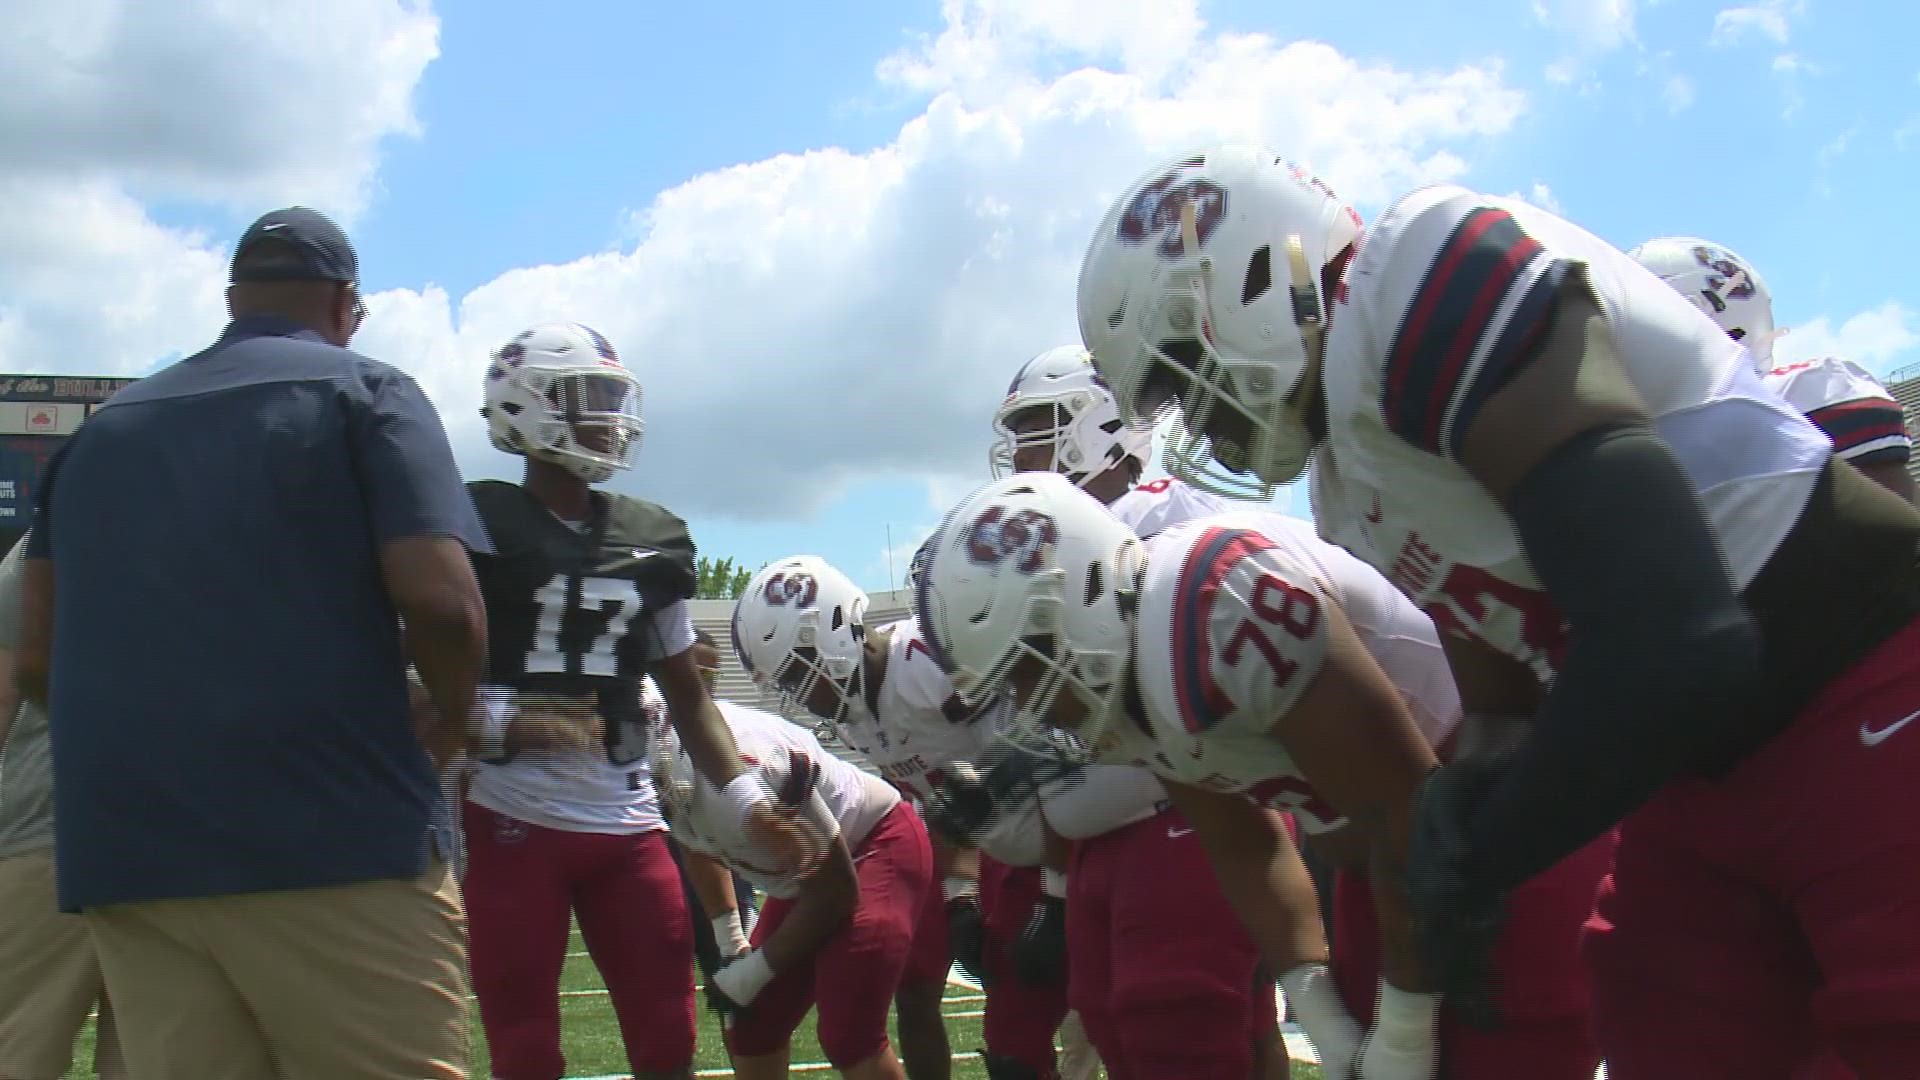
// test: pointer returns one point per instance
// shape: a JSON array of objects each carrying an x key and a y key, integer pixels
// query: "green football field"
[{"x": 592, "y": 1039}]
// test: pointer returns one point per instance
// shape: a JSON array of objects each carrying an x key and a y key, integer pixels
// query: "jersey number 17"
[{"x": 615, "y": 599}]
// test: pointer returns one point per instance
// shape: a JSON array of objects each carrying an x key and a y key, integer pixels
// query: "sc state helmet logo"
[
  {"x": 1729, "y": 280},
  {"x": 783, "y": 588},
  {"x": 1024, "y": 536},
  {"x": 1154, "y": 212}
]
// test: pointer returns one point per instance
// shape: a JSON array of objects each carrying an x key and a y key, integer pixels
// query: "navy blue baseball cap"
[{"x": 315, "y": 249}]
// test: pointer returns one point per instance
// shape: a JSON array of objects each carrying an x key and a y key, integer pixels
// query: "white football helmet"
[
  {"x": 559, "y": 393},
  {"x": 1202, "y": 291},
  {"x": 1720, "y": 283},
  {"x": 1085, "y": 432},
  {"x": 798, "y": 622},
  {"x": 1030, "y": 567}
]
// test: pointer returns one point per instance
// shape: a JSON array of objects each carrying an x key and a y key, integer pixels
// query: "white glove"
[
  {"x": 742, "y": 980},
  {"x": 1329, "y": 1027},
  {"x": 1404, "y": 1043}
]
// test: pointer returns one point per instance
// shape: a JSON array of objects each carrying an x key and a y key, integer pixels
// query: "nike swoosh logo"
[
  {"x": 1175, "y": 834},
  {"x": 1869, "y": 737},
  {"x": 630, "y": 560}
]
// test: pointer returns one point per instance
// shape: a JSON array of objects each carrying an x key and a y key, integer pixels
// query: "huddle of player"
[{"x": 1587, "y": 676}]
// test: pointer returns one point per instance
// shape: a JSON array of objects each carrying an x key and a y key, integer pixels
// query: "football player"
[
  {"x": 1867, "y": 426},
  {"x": 585, "y": 596},
  {"x": 838, "y": 934},
  {"x": 800, "y": 628},
  {"x": 1251, "y": 667},
  {"x": 1154, "y": 1004},
  {"x": 1632, "y": 546}
]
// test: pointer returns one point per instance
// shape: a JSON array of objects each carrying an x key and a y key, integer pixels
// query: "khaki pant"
[
  {"x": 49, "y": 978},
  {"x": 355, "y": 982}
]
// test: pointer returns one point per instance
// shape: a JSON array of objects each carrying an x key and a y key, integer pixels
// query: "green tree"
[{"x": 719, "y": 579}]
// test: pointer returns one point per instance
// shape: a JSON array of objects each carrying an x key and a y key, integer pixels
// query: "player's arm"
[
  {"x": 696, "y": 719},
  {"x": 11, "y": 569},
  {"x": 1868, "y": 428},
  {"x": 425, "y": 524},
  {"x": 33, "y": 657},
  {"x": 33, "y": 651},
  {"x": 1352, "y": 736},
  {"x": 9, "y": 696},
  {"x": 825, "y": 903},
  {"x": 828, "y": 892},
  {"x": 1660, "y": 650},
  {"x": 712, "y": 884},
  {"x": 1890, "y": 473},
  {"x": 1259, "y": 871}
]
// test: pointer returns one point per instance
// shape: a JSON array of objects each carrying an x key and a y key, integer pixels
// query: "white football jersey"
[
  {"x": 1844, "y": 400},
  {"x": 912, "y": 743},
  {"x": 582, "y": 792},
  {"x": 845, "y": 802},
  {"x": 1448, "y": 292},
  {"x": 1231, "y": 633},
  {"x": 1159, "y": 505},
  {"x": 1101, "y": 798}
]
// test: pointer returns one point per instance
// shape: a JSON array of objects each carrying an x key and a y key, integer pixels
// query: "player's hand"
[
  {"x": 773, "y": 821},
  {"x": 717, "y": 997},
  {"x": 1040, "y": 954},
  {"x": 742, "y": 977},
  {"x": 1405, "y": 1042},
  {"x": 967, "y": 936},
  {"x": 1457, "y": 920},
  {"x": 555, "y": 724}
]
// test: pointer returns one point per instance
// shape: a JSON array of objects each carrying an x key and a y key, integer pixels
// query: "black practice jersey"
[{"x": 571, "y": 611}]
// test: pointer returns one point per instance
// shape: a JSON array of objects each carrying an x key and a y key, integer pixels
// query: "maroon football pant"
[
  {"x": 1546, "y": 997},
  {"x": 1758, "y": 923},
  {"x": 1021, "y": 1020},
  {"x": 853, "y": 976},
  {"x": 1162, "y": 968},
  {"x": 524, "y": 886}
]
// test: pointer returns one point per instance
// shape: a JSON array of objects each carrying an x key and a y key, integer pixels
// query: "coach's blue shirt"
[{"x": 229, "y": 699}]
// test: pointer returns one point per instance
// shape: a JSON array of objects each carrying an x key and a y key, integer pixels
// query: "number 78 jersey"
[
  {"x": 573, "y": 610},
  {"x": 1231, "y": 632}
]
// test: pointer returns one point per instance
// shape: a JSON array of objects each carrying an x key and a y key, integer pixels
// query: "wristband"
[
  {"x": 729, "y": 934},
  {"x": 956, "y": 887},
  {"x": 1401, "y": 1014},
  {"x": 1053, "y": 882}
]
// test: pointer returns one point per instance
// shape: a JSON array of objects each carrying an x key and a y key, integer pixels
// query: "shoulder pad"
[{"x": 655, "y": 528}]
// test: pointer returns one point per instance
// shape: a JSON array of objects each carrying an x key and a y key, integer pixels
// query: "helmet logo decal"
[
  {"x": 1154, "y": 213},
  {"x": 1025, "y": 536},
  {"x": 797, "y": 589},
  {"x": 1730, "y": 280}
]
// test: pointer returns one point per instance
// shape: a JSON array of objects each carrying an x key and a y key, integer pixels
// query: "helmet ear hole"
[{"x": 1259, "y": 276}]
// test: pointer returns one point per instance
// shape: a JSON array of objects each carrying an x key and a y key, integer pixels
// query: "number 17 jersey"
[{"x": 565, "y": 604}]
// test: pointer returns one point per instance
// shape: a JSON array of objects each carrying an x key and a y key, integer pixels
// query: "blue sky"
[{"x": 823, "y": 334}]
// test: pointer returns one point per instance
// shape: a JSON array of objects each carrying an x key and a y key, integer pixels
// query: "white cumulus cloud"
[
  {"x": 106, "y": 107},
  {"x": 799, "y": 322}
]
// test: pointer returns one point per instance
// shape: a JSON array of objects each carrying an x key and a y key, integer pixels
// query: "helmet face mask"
[
  {"x": 558, "y": 393},
  {"x": 1026, "y": 594},
  {"x": 1201, "y": 295},
  {"x": 1059, "y": 404}
]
